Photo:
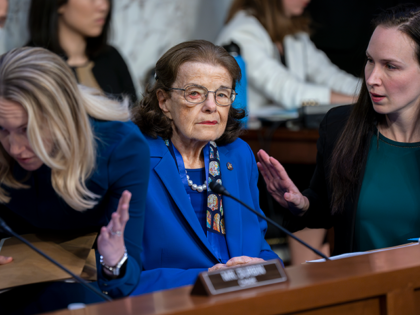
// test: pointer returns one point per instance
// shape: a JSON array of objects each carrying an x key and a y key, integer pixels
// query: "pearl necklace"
[{"x": 199, "y": 188}]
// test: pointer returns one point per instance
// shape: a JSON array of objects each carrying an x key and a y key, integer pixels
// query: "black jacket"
[
  {"x": 319, "y": 191},
  {"x": 112, "y": 74}
]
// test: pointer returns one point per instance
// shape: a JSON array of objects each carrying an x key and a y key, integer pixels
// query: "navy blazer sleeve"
[{"x": 128, "y": 169}]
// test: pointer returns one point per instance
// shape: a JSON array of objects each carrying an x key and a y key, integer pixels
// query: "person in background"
[
  {"x": 3, "y": 12},
  {"x": 192, "y": 131},
  {"x": 4, "y": 7},
  {"x": 283, "y": 65},
  {"x": 366, "y": 181},
  {"x": 69, "y": 161},
  {"x": 77, "y": 30},
  {"x": 343, "y": 31}
]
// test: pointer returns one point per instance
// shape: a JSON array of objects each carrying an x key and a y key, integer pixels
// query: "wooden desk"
[
  {"x": 379, "y": 283},
  {"x": 287, "y": 146}
]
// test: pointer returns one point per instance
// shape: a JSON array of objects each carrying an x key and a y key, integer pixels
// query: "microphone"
[
  {"x": 7, "y": 229},
  {"x": 219, "y": 189}
]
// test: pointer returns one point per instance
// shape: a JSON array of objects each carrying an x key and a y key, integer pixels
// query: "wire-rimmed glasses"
[{"x": 197, "y": 94}]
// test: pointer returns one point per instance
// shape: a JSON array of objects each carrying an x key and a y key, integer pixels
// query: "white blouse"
[{"x": 309, "y": 75}]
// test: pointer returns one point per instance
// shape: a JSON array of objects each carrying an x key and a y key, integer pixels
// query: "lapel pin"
[{"x": 229, "y": 166}]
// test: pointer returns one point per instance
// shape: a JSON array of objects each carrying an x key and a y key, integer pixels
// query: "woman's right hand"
[
  {"x": 5, "y": 260},
  {"x": 280, "y": 186}
]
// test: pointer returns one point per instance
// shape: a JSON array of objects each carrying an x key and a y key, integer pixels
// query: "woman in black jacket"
[
  {"x": 77, "y": 30},
  {"x": 366, "y": 183}
]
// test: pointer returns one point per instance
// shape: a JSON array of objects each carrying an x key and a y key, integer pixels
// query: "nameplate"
[{"x": 239, "y": 278}]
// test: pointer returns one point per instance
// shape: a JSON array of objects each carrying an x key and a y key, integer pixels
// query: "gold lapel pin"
[{"x": 229, "y": 166}]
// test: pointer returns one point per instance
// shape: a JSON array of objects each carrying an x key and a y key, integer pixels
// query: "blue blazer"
[{"x": 175, "y": 247}]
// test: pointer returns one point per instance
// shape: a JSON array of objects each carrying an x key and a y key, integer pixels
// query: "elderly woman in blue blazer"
[{"x": 192, "y": 131}]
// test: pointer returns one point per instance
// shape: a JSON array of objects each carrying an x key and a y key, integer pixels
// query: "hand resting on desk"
[
  {"x": 5, "y": 260},
  {"x": 235, "y": 261},
  {"x": 280, "y": 186}
]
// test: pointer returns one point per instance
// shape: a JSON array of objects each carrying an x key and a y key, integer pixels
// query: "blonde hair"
[
  {"x": 58, "y": 112},
  {"x": 271, "y": 15}
]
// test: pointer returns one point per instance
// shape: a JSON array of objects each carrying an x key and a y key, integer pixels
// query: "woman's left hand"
[
  {"x": 243, "y": 260},
  {"x": 217, "y": 267},
  {"x": 111, "y": 239},
  {"x": 235, "y": 261}
]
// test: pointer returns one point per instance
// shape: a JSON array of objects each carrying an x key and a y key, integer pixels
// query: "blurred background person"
[
  {"x": 283, "y": 65},
  {"x": 342, "y": 30},
  {"x": 69, "y": 162},
  {"x": 192, "y": 130},
  {"x": 4, "y": 4},
  {"x": 77, "y": 30},
  {"x": 3, "y": 12}
]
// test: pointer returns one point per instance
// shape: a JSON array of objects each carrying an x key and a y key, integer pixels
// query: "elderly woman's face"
[
  {"x": 13, "y": 136},
  {"x": 201, "y": 122}
]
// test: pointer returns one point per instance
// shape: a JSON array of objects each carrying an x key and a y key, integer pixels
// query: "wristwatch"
[{"x": 115, "y": 270}]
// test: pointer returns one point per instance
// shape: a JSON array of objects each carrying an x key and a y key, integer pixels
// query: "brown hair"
[
  {"x": 350, "y": 151},
  {"x": 271, "y": 15},
  {"x": 148, "y": 115}
]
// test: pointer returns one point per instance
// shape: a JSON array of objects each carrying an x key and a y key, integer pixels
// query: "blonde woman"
[
  {"x": 283, "y": 65},
  {"x": 69, "y": 160}
]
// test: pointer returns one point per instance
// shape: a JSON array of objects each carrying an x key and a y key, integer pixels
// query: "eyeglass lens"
[{"x": 198, "y": 94}]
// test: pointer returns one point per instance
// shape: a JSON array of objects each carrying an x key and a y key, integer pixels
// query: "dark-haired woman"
[
  {"x": 192, "y": 131},
  {"x": 366, "y": 183},
  {"x": 78, "y": 31},
  {"x": 283, "y": 65}
]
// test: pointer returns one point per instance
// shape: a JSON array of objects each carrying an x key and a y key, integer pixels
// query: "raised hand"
[
  {"x": 111, "y": 239},
  {"x": 280, "y": 186}
]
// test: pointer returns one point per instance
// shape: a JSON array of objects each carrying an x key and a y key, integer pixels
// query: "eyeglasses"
[{"x": 197, "y": 94}]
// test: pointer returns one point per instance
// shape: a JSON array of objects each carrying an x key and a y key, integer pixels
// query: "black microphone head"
[
  {"x": 218, "y": 188},
  {"x": 213, "y": 186}
]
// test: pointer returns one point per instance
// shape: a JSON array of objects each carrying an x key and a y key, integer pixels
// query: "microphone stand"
[{"x": 222, "y": 190}]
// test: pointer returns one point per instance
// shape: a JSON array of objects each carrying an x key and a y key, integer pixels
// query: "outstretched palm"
[{"x": 280, "y": 186}]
